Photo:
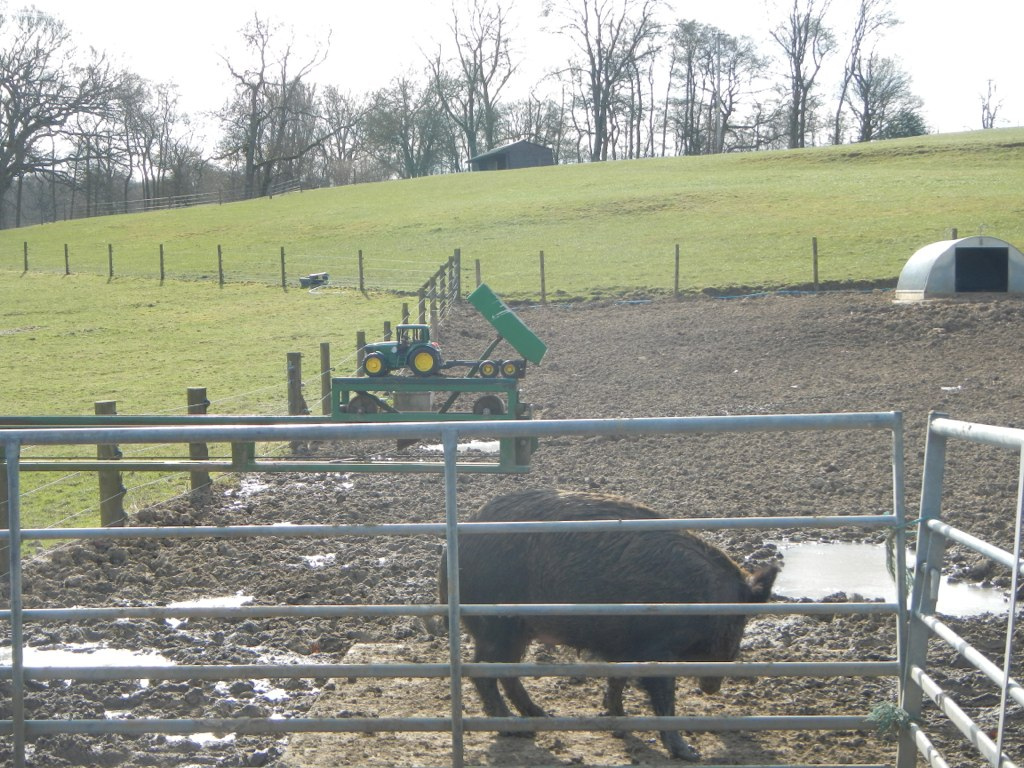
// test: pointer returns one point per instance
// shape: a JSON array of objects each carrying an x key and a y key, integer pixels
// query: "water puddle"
[
  {"x": 816, "y": 570},
  {"x": 319, "y": 561},
  {"x": 249, "y": 486},
  {"x": 86, "y": 655},
  {"x": 473, "y": 446},
  {"x": 230, "y": 601}
]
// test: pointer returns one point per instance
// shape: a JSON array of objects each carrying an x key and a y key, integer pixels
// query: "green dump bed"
[{"x": 507, "y": 323}]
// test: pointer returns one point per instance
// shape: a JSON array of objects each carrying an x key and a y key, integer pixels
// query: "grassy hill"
[{"x": 742, "y": 222}]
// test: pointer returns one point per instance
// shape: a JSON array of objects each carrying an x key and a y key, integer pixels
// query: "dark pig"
[{"x": 620, "y": 567}]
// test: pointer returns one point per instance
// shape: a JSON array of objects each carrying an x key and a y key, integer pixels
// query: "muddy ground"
[{"x": 855, "y": 351}]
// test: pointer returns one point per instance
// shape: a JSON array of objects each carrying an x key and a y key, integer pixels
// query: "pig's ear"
[{"x": 761, "y": 583}]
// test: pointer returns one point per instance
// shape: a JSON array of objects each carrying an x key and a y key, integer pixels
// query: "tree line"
[{"x": 80, "y": 134}]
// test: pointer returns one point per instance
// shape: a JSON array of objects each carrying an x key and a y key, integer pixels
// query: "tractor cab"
[{"x": 409, "y": 334}]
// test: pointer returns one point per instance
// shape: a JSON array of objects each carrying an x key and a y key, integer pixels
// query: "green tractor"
[{"x": 411, "y": 348}]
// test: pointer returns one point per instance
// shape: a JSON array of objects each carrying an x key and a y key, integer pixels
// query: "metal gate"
[
  {"x": 933, "y": 536},
  {"x": 20, "y": 728}
]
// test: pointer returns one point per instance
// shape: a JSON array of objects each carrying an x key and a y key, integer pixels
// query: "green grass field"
[{"x": 742, "y": 222}]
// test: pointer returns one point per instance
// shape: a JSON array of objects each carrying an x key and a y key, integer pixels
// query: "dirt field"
[{"x": 698, "y": 357}]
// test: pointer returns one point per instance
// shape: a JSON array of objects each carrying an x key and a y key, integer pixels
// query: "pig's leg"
[
  {"x": 520, "y": 698},
  {"x": 613, "y": 697},
  {"x": 613, "y": 701},
  {"x": 662, "y": 692},
  {"x": 502, "y": 640}
]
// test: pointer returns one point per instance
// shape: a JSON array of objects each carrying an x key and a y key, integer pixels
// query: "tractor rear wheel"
[
  {"x": 424, "y": 361},
  {"x": 375, "y": 364}
]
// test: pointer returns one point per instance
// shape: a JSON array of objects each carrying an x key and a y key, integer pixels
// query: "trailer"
[{"x": 406, "y": 377}]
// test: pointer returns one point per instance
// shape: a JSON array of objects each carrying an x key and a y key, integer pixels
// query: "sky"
[{"x": 950, "y": 49}]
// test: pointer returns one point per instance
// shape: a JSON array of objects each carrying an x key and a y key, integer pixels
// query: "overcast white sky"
[{"x": 950, "y": 49}]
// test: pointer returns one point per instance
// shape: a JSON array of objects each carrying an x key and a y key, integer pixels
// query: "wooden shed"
[
  {"x": 968, "y": 265},
  {"x": 518, "y": 154}
]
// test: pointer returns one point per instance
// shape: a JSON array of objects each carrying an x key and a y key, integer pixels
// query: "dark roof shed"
[{"x": 518, "y": 154}]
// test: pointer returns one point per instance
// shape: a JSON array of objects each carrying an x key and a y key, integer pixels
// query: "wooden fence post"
[
  {"x": 543, "y": 283},
  {"x": 284, "y": 279},
  {"x": 360, "y": 352},
  {"x": 433, "y": 305},
  {"x": 112, "y": 491},
  {"x": 421, "y": 302},
  {"x": 814, "y": 262},
  {"x": 25, "y": 251},
  {"x": 325, "y": 378},
  {"x": 362, "y": 277},
  {"x": 387, "y": 330},
  {"x": 296, "y": 402},
  {"x": 954, "y": 237},
  {"x": 478, "y": 273},
  {"x": 67, "y": 261},
  {"x": 198, "y": 405},
  {"x": 405, "y": 312},
  {"x": 161, "y": 263},
  {"x": 456, "y": 281},
  {"x": 110, "y": 260},
  {"x": 220, "y": 267},
  {"x": 675, "y": 290}
]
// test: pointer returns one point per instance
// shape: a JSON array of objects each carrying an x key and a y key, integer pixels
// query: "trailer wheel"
[
  {"x": 424, "y": 361},
  {"x": 375, "y": 364},
  {"x": 488, "y": 405},
  {"x": 510, "y": 369},
  {"x": 488, "y": 369},
  {"x": 362, "y": 403}
]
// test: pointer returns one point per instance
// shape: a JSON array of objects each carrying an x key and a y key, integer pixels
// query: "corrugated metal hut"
[
  {"x": 967, "y": 265},
  {"x": 518, "y": 154}
]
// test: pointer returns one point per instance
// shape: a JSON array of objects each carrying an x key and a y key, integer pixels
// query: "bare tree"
[
  {"x": 805, "y": 42},
  {"x": 470, "y": 85},
  {"x": 544, "y": 121},
  {"x": 873, "y": 16},
  {"x": 340, "y": 156},
  {"x": 879, "y": 94},
  {"x": 990, "y": 107},
  {"x": 45, "y": 83},
  {"x": 712, "y": 74},
  {"x": 616, "y": 38},
  {"x": 408, "y": 132},
  {"x": 262, "y": 123}
]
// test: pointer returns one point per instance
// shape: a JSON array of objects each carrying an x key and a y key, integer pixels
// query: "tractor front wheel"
[
  {"x": 375, "y": 364},
  {"x": 424, "y": 361}
]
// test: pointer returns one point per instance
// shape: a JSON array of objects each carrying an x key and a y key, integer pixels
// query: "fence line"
[{"x": 344, "y": 271}]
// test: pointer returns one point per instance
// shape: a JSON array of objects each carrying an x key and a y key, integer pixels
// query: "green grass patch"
[{"x": 72, "y": 341}]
